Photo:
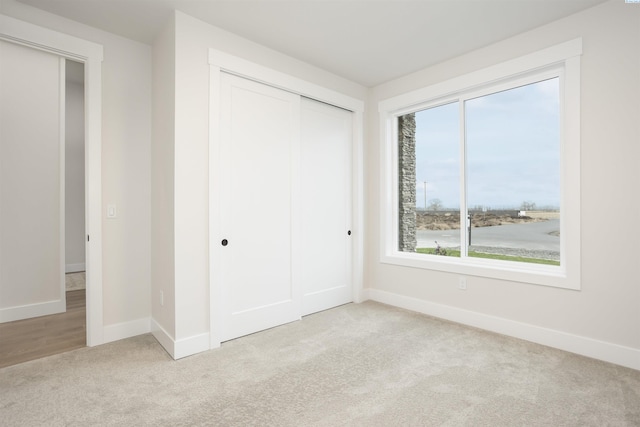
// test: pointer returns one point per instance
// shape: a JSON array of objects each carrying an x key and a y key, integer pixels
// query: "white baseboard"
[
  {"x": 183, "y": 347},
  {"x": 29, "y": 311},
  {"x": 74, "y": 268},
  {"x": 163, "y": 338},
  {"x": 601, "y": 350},
  {"x": 191, "y": 345},
  {"x": 123, "y": 330}
]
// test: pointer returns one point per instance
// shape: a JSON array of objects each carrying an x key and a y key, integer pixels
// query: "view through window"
[{"x": 486, "y": 175}]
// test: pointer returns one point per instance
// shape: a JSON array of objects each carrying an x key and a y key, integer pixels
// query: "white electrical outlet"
[
  {"x": 462, "y": 283},
  {"x": 161, "y": 298}
]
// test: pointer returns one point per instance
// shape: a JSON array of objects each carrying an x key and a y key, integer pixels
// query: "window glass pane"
[
  {"x": 513, "y": 173},
  {"x": 435, "y": 185}
]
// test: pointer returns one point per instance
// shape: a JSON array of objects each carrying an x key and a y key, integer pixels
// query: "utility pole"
[{"x": 425, "y": 195}]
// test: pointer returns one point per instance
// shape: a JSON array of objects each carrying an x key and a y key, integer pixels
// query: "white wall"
[
  {"x": 162, "y": 195},
  {"x": 126, "y": 168},
  {"x": 31, "y": 270},
  {"x": 604, "y": 316},
  {"x": 126, "y": 176},
  {"x": 74, "y": 176}
]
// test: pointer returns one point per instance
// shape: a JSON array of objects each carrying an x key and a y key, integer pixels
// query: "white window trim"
[{"x": 565, "y": 56}]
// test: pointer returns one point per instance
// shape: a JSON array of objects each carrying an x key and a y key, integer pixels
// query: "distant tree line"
[{"x": 436, "y": 205}]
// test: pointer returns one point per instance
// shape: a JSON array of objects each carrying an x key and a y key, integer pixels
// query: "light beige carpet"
[
  {"x": 356, "y": 365},
  {"x": 75, "y": 281}
]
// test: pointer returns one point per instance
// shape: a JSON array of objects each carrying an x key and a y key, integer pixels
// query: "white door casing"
[{"x": 221, "y": 63}]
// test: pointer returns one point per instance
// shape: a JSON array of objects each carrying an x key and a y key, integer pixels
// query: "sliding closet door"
[
  {"x": 326, "y": 141},
  {"x": 31, "y": 191},
  {"x": 260, "y": 128}
]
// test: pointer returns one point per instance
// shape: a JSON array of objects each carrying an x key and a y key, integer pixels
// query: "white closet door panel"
[
  {"x": 259, "y": 143},
  {"x": 325, "y": 252},
  {"x": 31, "y": 242}
]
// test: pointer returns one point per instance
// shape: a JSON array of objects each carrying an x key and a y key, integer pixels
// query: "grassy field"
[{"x": 456, "y": 253}]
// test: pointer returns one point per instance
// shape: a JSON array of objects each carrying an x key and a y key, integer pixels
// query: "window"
[
  {"x": 510, "y": 146},
  {"x": 481, "y": 173}
]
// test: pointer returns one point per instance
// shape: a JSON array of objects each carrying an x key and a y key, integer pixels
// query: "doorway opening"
[
  {"x": 37, "y": 333},
  {"x": 91, "y": 55},
  {"x": 74, "y": 191}
]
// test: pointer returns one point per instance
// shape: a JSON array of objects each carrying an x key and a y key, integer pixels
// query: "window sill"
[{"x": 534, "y": 274}]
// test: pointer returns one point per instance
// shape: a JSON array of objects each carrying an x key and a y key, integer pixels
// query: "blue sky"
[{"x": 513, "y": 149}]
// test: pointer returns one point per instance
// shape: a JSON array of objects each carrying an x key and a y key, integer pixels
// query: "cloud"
[{"x": 513, "y": 148}]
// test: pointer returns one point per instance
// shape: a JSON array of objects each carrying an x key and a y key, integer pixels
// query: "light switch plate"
[{"x": 112, "y": 211}]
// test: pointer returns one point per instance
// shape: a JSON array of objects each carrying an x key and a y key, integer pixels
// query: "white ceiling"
[{"x": 366, "y": 41}]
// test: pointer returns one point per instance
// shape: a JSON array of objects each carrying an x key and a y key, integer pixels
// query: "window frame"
[{"x": 563, "y": 61}]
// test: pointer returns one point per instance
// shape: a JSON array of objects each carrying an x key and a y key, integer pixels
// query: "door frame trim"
[
  {"x": 220, "y": 62},
  {"x": 91, "y": 54},
  {"x": 62, "y": 66}
]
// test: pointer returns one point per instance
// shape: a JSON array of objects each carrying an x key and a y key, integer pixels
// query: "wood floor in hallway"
[{"x": 30, "y": 339}]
